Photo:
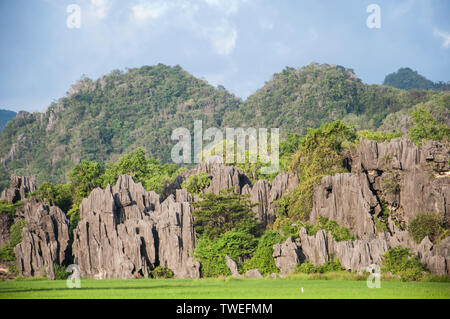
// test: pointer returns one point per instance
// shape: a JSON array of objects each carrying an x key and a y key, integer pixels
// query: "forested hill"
[
  {"x": 99, "y": 120},
  {"x": 296, "y": 99},
  {"x": 102, "y": 119},
  {"x": 5, "y": 117},
  {"x": 407, "y": 79}
]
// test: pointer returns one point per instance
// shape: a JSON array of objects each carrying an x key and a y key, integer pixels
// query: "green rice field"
[{"x": 222, "y": 288}]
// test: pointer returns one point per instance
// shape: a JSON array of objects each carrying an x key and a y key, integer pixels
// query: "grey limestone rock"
[
  {"x": 346, "y": 199},
  {"x": 6, "y": 222},
  {"x": 253, "y": 273},
  {"x": 231, "y": 264},
  {"x": 422, "y": 174},
  {"x": 19, "y": 187},
  {"x": 353, "y": 255},
  {"x": 287, "y": 255},
  {"x": 44, "y": 241},
  {"x": 436, "y": 257},
  {"x": 314, "y": 248},
  {"x": 125, "y": 232}
]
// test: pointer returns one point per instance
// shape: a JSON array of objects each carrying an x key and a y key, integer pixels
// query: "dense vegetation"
[
  {"x": 162, "y": 272},
  {"x": 146, "y": 170},
  {"x": 407, "y": 79},
  {"x": 426, "y": 128},
  {"x": 297, "y": 99},
  {"x": 226, "y": 226},
  {"x": 262, "y": 258},
  {"x": 7, "y": 251},
  {"x": 431, "y": 225},
  {"x": 55, "y": 195},
  {"x": 339, "y": 233},
  {"x": 9, "y": 208},
  {"x": 402, "y": 121},
  {"x": 319, "y": 154},
  {"x": 401, "y": 262},
  {"x": 195, "y": 184},
  {"x": 103, "y": 119},
  {"x": 217, "y": 214},
  {"x": 238, "y": 245},
  {"x": 307, "y": 267}
]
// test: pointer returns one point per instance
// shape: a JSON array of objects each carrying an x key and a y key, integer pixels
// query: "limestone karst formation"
[{"x": 126, "y": 231}]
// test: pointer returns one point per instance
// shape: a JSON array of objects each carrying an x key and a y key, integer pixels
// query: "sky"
[{"x": 239, "y": 44}]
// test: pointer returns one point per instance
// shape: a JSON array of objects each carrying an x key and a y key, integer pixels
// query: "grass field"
[{"x": 222, "y": 288}]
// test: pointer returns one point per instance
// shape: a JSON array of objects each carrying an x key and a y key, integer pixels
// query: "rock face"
[
  {"x": 176, "y": 236},
  {"x": 359, "y": 254},
  {"x": 436, "y": 257},
  {"x": 6, "y": 222},
  {"x": 421, "y": 174},
  {"x": 346, "y": 199},
  {"x": 397, "y": 176},
  {"x": 253, "y": 273},
  {"x": 407, "y": 178},
  {"x": 287, "y": 255},
  {"x": 314, "y": 248},
  {"x": 231, "y": 264},
  {"x": 125, "y": 232},
  {"x": 19, "y": 187},
  {"x": 44, "y": 240},
  {"x": 266, "y": 194},
  {"x": 222, "y": 177},
  {"x": 353, "y": 255}
]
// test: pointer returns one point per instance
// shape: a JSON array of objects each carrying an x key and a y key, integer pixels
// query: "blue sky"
[{"x": 236, "y": 43}]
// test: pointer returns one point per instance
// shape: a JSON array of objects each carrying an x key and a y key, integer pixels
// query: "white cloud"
[
  {"x": 226, "y": 6},
  {"x": 101, "y": 8},
  {"x": 149, "y": 11},
  {"x": 217, "y": 30},
  {"x": 224, "y": 36},
  {"x": 445, "y": 37},
  {"x": 223, "y": 39}
]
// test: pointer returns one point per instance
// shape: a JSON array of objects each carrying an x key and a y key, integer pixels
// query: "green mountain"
[
  {"x": 296, "y": 99},
  {"x": 121, "y": 111},
  {"x": 5, "y": 117},
  {"x": 99, "y": 120},
  {"x": 407, "y": 79}
]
